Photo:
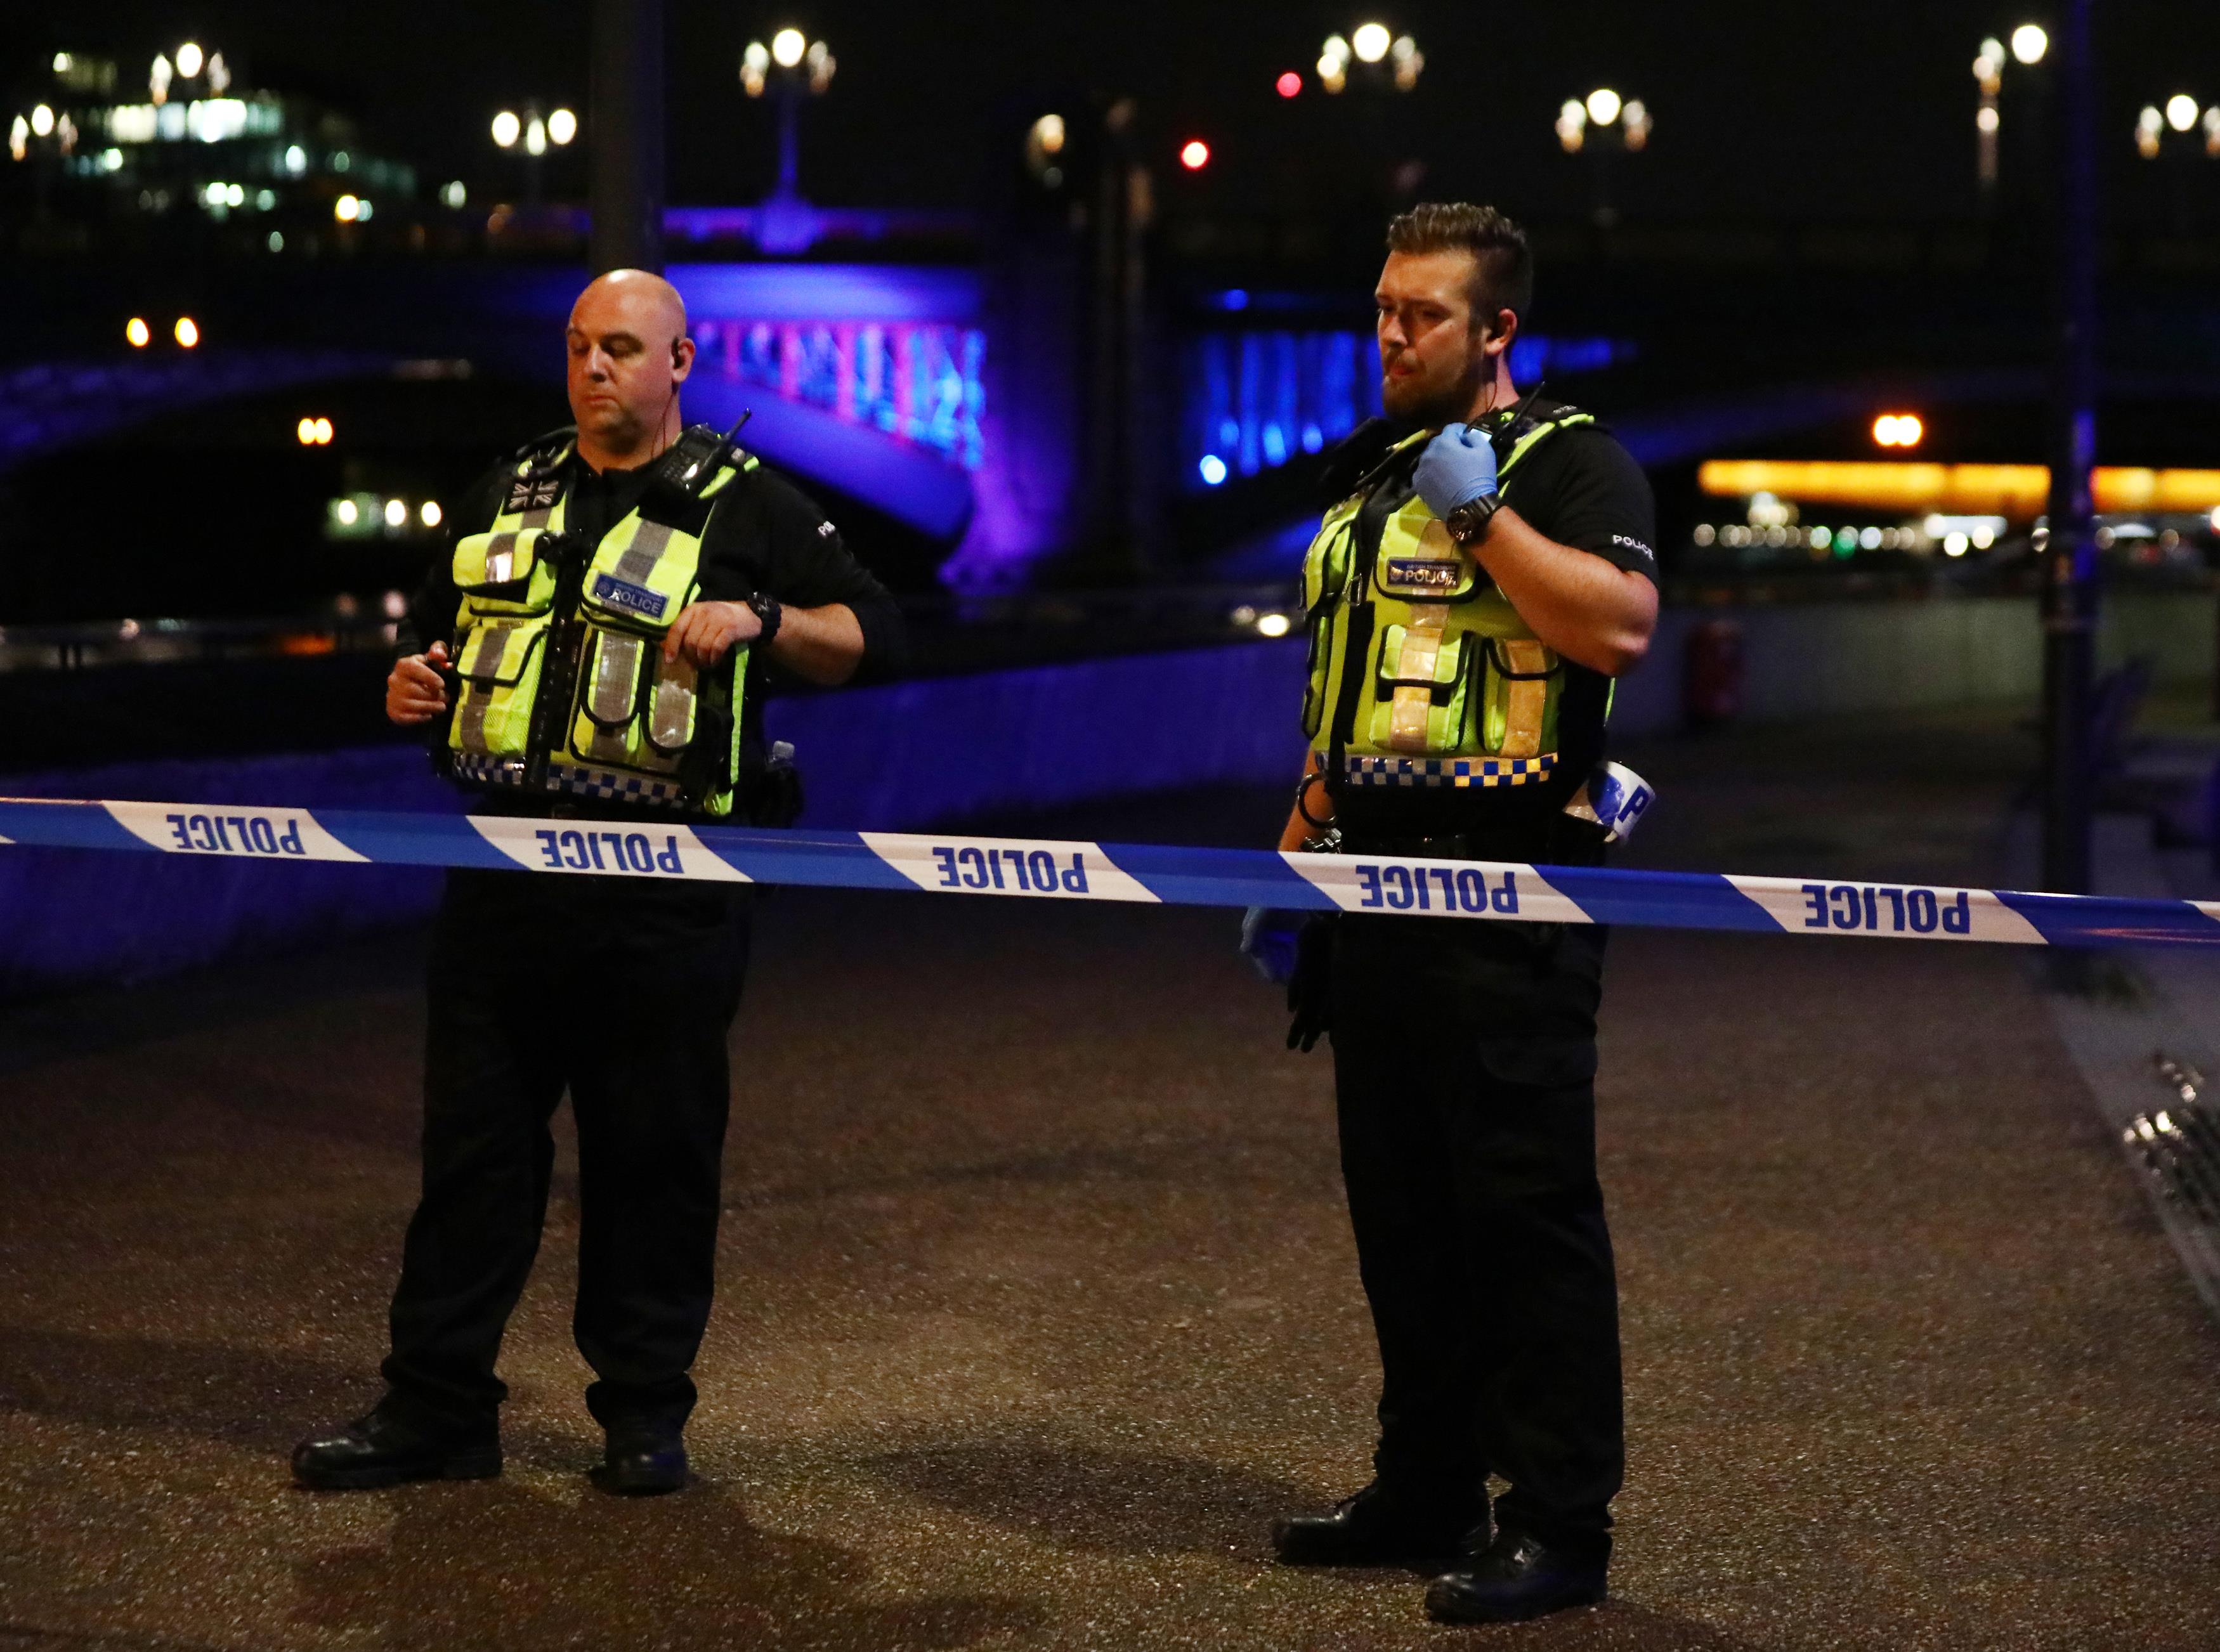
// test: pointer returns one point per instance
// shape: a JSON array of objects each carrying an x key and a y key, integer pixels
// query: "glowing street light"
[
  {"x": 429, "y": 515},
  {"x": 189, "y": 61},
  {"x": 506, "y": 128},
  {"x": 1370, "y": 44},
  {"x": 2029, "y": 43},
  {"x": 1603, "y": 106},
  {"x": 2181, "y": 111},
  {"x": 787, "y": 47},
  {"x": 1195, "y": 154},
  {"x": 347, "y": 209},
  {"x": 1604, "y": 118},
  {"x": 803, "y": 68},
  {"x": 42, "y": 121},
  {"x": 187, "y": 332},
  {"x": 137, "y": 333},
  {"x": 562, "y": 126},
  {"x": 1898, "y": 430}
]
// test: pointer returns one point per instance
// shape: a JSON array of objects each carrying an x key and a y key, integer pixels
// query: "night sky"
[{"x": 1778, "y": 111}]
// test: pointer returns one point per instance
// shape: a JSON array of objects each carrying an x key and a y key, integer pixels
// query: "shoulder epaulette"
[{"x": 545, "y": 447}]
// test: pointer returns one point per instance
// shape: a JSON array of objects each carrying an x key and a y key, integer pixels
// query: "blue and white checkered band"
[
  {"x": 578, "y": 781},
  {"x": 1446, "y": 771},
  {"x": 609, "y": 786}
]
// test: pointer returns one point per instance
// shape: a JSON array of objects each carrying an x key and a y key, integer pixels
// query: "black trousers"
[
  {"x": 1464, "y": 1062},
  {"x": 621, "y": 991}
]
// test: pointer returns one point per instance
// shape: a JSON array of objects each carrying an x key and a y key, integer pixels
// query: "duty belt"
[{"x": 1360, "y": 769}]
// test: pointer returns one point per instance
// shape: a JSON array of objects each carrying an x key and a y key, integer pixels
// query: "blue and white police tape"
[{"x": 950, "y": 864}]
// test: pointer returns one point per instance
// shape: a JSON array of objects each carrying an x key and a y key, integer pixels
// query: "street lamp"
[
  {"x": 2029, "y": 46},
  {"x": 2179, "y": 126},
  {"x": 792, "y": 67},
  {"x": 533, "y": 132},
  {"x": 1370, "y": 47},
  {"x": 1602, "y": 122}
]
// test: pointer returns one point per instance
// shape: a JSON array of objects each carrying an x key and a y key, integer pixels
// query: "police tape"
[{"x": 1063, "y": 870}]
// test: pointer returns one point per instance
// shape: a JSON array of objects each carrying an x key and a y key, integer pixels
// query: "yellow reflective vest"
[
  {"x": 562, "y": 687},
  {"x": 1421, "y": 673}
]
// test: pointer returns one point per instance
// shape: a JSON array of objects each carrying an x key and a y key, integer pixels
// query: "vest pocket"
[
  {"x": 505, "y": 573},
  {"x": 1423, "y": 690},
  {"x": 498, "y": 665},
  {"x": 635, "y": 710},
  {"x": 1521, "y": 715},
  {"x": 1319, "y": 673}
]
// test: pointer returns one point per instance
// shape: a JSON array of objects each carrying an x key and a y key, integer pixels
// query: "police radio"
[{"x": 687, "y": 464}]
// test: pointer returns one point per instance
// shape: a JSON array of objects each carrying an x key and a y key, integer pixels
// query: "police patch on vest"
[
  {"x": 533, "y": 493},
  {"x": 1423, "y": 573},
  {"x": 637, "y": 599}
]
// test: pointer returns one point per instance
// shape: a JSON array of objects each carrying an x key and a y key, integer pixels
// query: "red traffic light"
[
  {"x": 1195, "y": 154},
  {"x": 1289, "y": 83}
]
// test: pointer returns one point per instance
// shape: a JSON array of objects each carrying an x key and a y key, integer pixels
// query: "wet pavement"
[{"x": 1038, "y": 1300}]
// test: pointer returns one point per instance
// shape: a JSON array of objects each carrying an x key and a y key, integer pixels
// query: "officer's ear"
[
  {"x": 682, "y": 359},
  {"x": 1496, "y": 334}
]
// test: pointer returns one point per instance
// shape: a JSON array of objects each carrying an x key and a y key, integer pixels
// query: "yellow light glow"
[
  {"x": 323, "y": 432},
  {"x": 2181, "y": 112},
  {"x": 346, "y": 208},
  {"x": 562, "y": 125},
  {"x": 348, "y": 512},
  {"x": 42, "y": 121},
  {"x": 1275, "y": 625},
  {"x": 138, "y": 333},
  {"x": 189, "y": 59},
  {"x": 1898, "y": 430},
  {"x": 396, "y": 513},
  {"x": 1371, "y": 42},
  {"x": 305, "y": 432},
  {"x": 186, "y": 332},
  {"x": 2020, "y": 491},
  {"x": 429, "y": 515},
  {"x": 1049, "y": 132},
  {"x": 1603, "y": 106},
  {"x": 787, "y": 47},
  {"x": 2029, "y": 43},
  {"x": 506, "y": 128}
]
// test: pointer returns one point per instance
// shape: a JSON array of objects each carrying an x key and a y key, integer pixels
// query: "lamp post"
[
  {"x": 1600, "y": 123},
  {"x": 533, "y": 134},
  {"x": 1374, "y": 54},
  {"x": 2031, "y": 44},
  {"x": 2172, "y": 133},
  {"x": 792, "y": 68}
]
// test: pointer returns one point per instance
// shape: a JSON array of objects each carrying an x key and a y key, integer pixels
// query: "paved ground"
[{"x": 1038, "y": 1299}]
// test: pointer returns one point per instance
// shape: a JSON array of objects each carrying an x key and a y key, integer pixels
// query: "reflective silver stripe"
[
  {"x": 500, "y": 559},
  {"x": 491, "y": 636},
  {"x": 615, "y": 691},
  {"x": 637, "y": 565}
]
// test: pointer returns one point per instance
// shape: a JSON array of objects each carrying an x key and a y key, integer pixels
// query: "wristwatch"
[
  {"x": 1468, "y": 524},
  {"x": 765, "y": 608}
]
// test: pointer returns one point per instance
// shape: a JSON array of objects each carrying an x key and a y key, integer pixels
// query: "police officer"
[
  {"x": 598, "y": 645},
  {"x": 1488, "y": 574}
]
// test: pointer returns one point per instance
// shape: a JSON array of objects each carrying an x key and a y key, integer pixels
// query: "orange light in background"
[
  {"x": 313, "y": 433},
  {"x": 2020, "y": 491},
  {"x": 1898, "y": 430},
  {"x": 323, "y": 432},
  {"x": 1195, "y": 154},
  {"x": 187, "y": 332},
  {"x": 138, "y": 333}
]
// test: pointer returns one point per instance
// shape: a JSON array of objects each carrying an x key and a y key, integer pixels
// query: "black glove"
[{"x": 1310, "y": 987}]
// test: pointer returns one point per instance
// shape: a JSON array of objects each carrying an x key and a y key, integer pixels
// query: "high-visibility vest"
[
  {"x": 558, "y": 649},
  {"x": 1421, "y": 672}
]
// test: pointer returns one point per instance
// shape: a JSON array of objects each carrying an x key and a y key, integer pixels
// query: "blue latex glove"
[
  {"x": 1457, "y": 467},
  {"x": 1268, "y": 941}
]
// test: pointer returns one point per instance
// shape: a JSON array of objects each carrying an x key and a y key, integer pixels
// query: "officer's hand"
[
  {"x": 415, "y": 693},
  {"x": 1457, "y": 467},
  {"x": 706, "y": 630}
]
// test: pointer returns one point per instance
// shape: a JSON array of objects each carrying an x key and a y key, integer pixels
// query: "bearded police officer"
[
  {"x": 1470, "y": 601},
  {"x": 598, "y": 646}
]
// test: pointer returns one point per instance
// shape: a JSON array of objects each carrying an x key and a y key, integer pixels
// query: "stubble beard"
[{"x": 1429, "y": 408}]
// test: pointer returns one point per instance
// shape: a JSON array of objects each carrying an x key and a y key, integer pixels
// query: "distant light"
[
  {"x": 1336, "y": 48},
  {"x": 395, "y": 512},
  {"x": 1244, "y": 615},
  {"x": 138, "y": 333},
  {"x": 265, "y": 200},
  {"x": 1955, "y": 545},
  {"x": 1869, "y": 538},
  {"x": 453, "y": 194},
  {"x": 1049, "y": 133},
  {"x": 1195, "y": 154},
  {"x": 2181, "y": 112},
  {"x": 1290, "y": 84},
  {"x": 158, "y": 80},
  {"x": 1821, "y": 539},
  {"x": 1332, "y": 73},
  {"x": 1983, "y": 537},
  {"x": 2029, "y": 43},
  {"x": 1236, "y": 298},
  {"x": 1214, "y": 470},
  {"x": 235, "y": 194},
  {"x": 1404, "y": 48},
  {"x": 1603, "y": 106},
  {"x": 1371, "y": 42},
  {"x": 277, "y": 240},
  {"x": 756, "y": 57},
  {"x": 1275, "y": 625},
  {"x": 187, "y": 331},
  {"x": 347, "y": 512},
  {"x": 18, "y": 138},
  {"x": 305, "y": 433},
  {"x": 189, "y": 59},
  {"x": 535, "y": 136},
  {"x": 506, "y": 128},
  {"x": 346, "y": 208},
  {"x": 2213, "y": 521},
  {"x": 429, "y": 515},
  {"x": 43, "y": 120},
  {"x": 1898, "y": 430},
  {"x": 562, "y": 125},
  {"x": 1985, "y": 118},
  {"x": 64, "y": 63},
  {"x": 1313, "y": 439},
  {"x": 787, "y": 47}
]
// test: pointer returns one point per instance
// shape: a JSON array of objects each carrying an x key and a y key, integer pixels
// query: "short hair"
[{"x": 1503, "y": 262}]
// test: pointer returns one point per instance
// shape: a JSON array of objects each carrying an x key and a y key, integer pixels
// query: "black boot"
[
  {"x": 644, "y": 1459},
  {"x": 1380, "y": 1527},
  {"x": 378, "y": 1449},
  {"x": 1518, "y": 1577}
]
